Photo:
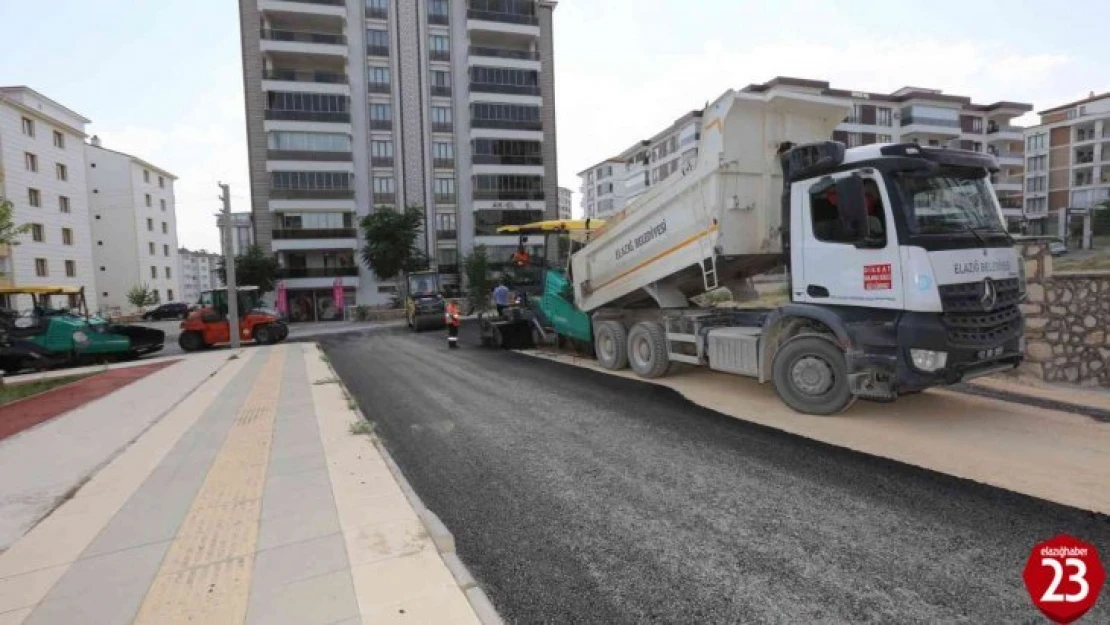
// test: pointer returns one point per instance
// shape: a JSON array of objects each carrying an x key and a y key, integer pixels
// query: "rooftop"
[
  {"x": 95, "y": 144},
  {"x": 904, "y": 94},
  {"x": 1091, "y": 98}
]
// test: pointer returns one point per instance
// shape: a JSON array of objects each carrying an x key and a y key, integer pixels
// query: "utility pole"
[{"x": 229, "y": 264}]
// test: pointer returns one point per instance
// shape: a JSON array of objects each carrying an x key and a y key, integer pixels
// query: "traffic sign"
[{"x": 1064, "y": 577}]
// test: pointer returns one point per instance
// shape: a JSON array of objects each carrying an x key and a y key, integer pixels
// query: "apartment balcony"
[
  {"x": 504, "y": 57},
  {"x": 317, "y": 272},
  {"x": 379, "y": 87},
  {"x": 443, "y": 127},
  {"x": 483, "y": 87},
  {"x": 304, "y": 43},
  {"x": 501, "y": 124},
  {"x": 381, "y": 124},
  {"x": 488, "y": 159},
  {"x": 480, "y": 194},
  {"x": 385, "y": 199},
  {"x": 302, "y": 76},
  {"x": 1007, "y": 184},
  {"x": 330, "y": 117},
  {"x": 312, "y": 194},
  {"x": 440, "y": 55},
  {"x": 381, "y": 161},
  {"x": 375, "y": 13},
  {"x": 302, "y": 240},
  {"x": 315, "y": 233},
  {"x": 497, "y": 22},
  {"x": 441, "y": 90},
  {"x": 445, "y": 199},
  {"x": 440, "y": 19},
  {"x": 930, "y": 126},
  {"x": 306, "y": 155},
  {"x": 1012, "y": 159},
  {"x": 380, "y": 51},
  {"x": 444, "y": 235},
  {"x": 443, "y": 163},
  {"x": 1000, "y": 132},
  {"x": 502, "y": 17}
]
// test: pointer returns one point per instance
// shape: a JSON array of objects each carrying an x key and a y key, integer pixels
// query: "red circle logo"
[{"x": 1064, "y": 578}]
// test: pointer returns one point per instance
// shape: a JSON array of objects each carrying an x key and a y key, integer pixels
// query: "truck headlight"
[{"x": 928, "y": 360}]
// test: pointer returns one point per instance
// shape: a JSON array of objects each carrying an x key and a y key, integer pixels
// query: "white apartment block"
[
  {"x": 565, "y": 203},
  {"x": 911, "y": 114},
  {"x": 199, "y": 272},
  {"x": 42, "y": 172},
  {"x": 134, "y": 227},
  {"x": 360, "y": 105},
  {"x": 1068, "y": 166},
  {"x": 242, "y": 231}
]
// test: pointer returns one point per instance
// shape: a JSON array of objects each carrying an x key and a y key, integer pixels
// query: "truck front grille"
[{"x": 969, "y": 324}]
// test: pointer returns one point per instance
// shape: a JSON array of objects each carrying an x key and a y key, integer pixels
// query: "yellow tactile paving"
[{"x": 206, "y": 575}]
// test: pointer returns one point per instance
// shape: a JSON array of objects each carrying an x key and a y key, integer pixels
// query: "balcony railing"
[
  {"x": 994, "y": 129},
  {"x": 315, "y": 233},
  {"x": 312, "y": 194},
  {"x": 508, "y": 18},
  {"x": 441, "y": 90},
  {"x": 381, "y": 161},
  {"x": 308, "y": 116},
  {"x": 505, "y": 124},
  {"x": 307, "y": 155},
  {"x": 378, "y": 87},
  {"x": 487, "y": 159},
  {"x": 385, "y": 198},
  {"x": 381, "y": 124},
  {"x": 440, "y": 55},
  {"x": 377, "y": 50},
  {"x": 480, "y": 194},
  {"x": 377, "y": 13},
  {"x": 485, "y": 87},
  {"x": 446, "y": 234},
  {"x": 443, "y": 199},
  {"x": 1083, "y": 159},
  {"x": 317, "y": 272},
  {"x": 438, "y": 18},
  {"x": 303, "y": 37},
  {"x": 443, "y": 163},
  {"x": 504, "y": 53},
  {"x": 443, "y": 127},
  {"x": 930, "y": 121},
  {"x": 292, "y": 75}
]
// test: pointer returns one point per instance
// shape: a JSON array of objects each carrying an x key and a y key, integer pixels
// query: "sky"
[{"x": 162, "y": 79}]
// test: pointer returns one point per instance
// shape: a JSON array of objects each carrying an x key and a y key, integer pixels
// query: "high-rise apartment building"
[
  {"x": 199, "y": 272},
  {"x": 42, "y": 173},
  {"x": 911, "y": 114},
  {"x": 242, "y": 231},
  {"x": 362, "y": 105},
  {"x": 565, "y": 203},
  {"x": 134, "y": 227},
  {"x": 1068, "y": 166}
]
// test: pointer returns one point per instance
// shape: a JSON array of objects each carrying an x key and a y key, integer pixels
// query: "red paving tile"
[{"x": 26, "y": 413}]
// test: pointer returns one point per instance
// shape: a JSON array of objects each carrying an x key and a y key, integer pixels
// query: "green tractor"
[{"x": 46, "y": 338}]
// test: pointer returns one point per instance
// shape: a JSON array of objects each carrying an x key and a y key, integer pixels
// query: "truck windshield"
[{"x": 948, "y": 200}]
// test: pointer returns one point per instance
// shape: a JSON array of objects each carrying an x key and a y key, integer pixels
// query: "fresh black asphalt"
[{"x": 579, "y": 497}]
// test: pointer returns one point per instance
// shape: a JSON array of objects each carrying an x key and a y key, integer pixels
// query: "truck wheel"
[
  {"x": 647, "y": 349},
  {"x": 811, "y": 377},
  {"x": 263, "y": 335},
  {"x": 191, "y": 341},
  {"x": 610, "y": 343}
]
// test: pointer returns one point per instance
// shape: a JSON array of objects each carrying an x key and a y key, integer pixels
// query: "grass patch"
[
  {"x": 21, "y": 390},
  {"x": 362, "y": 427}
]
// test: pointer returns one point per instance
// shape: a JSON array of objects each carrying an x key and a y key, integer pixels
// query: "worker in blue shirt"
[{"x": 501, "y": 297}]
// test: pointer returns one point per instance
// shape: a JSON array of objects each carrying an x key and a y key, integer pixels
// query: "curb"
[{"x": 442, "y": 537}]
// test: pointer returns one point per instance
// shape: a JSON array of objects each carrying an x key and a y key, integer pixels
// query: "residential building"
[
  {"x": 911, "y": 114},
  {"x": 362, "y": 105},
  {"x": 602, "y": 189},
  {"x": 1068, "y": 167},
  {"x": 565, "y": 203},
  {"x": 199, "y": 272},
  {"x": 42, "y": 172},
  {"x": 242, "y": 231},
  {"x": 133, "y": 226}
]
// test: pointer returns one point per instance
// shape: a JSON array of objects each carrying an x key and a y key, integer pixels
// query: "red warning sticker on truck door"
[{"x": 877, "y": 277}]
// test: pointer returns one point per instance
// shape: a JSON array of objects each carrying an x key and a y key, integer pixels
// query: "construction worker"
[
  {"x": 501, "y": 297},
  {"x": 521, "y": 257},
  {"x": 452, "y": 316}
]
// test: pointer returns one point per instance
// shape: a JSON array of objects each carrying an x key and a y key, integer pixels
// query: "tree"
[
  {"x": 140, "y": 296},
  {"x": 391, "y": 249},
  {"x": 9, "y": 232},
  {"x": 252, "y": 268},
  {"x": 476, "y": 267}
]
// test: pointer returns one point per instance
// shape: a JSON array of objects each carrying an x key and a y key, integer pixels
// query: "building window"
[
  {"x": 439, "y": 47},
  {"x": 378, "y": 79},
  {"x": 1037, "y": 163},
  {"x": 377, "y": 9},
  {"x": 150, "y": 247},
  {"x": 308, "y": 141},
  {"x": 504, "y": 80},
  {"x": 165, "y": 228},
  {"x": 59, "y": 140},
  {"x": 1036, "y": 142},
  {"x": 71, "y": 269},
  {"x": 383, "y": 185},
  {"x": 63, "y": 204},
  {"x": 311, "y": 180},
  {"x": 855, "y": 139},
  {"x": 41, "y": 268},
  {"x": 444, "y": 190},
  {"x": 445, "y": 222},
  {"x": 442, "y": 121},
  {"x": 443, "y": 154},
  {"x": 165, "y": 250},
  {"x": 1036, "y": 183},
  {"x": 161, "y": 182},
  {"x": 169, "y": 295},
  {"x": 883, "y": 117},
  {"x": 38, "y": 234},
  {"x": 67, "y": 236},
  {"x": 377, "y": 42},
  {"x": 169, "y": 274},
  {"x": 62, "y": 171},
  {"x": 28, "y": 127},
  {"x": 441, "y": 82},
  {"x": 437, "y": 12},
  {"x": 146, "y": 176},
  {"x": 511, "y": 116},
  {"x": 381, "y": 149},
  {"x": 148, "y": 201},
  {"x": 150, "y": 225},
  {"x": 381, "y": 116},
  {"x": 883, "y": 139},
  {"x": 154, "y": 273},
  {"x": 31, "y": 161},
  {"x": 162, "y": 203}
]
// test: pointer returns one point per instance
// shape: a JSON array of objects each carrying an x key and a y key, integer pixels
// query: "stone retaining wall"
[{"x": 1067, "y": 316}]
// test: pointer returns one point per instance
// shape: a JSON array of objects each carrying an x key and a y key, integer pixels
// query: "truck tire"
[
  {"x": 191, "y": 341},
  {"x": 264, "y": 335},
  {"x": 647, "y": 349},
  {"x": 611, "y": 345},
  {"x": 811, "y": 376}
]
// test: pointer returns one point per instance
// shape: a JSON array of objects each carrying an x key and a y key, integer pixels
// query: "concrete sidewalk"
[{"x": 249, "y": 502}]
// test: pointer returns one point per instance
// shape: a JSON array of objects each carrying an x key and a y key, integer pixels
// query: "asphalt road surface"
[{"x": 579, "y": 497}]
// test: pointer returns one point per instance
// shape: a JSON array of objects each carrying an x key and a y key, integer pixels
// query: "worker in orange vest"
[{"x": 452, "y": 316}]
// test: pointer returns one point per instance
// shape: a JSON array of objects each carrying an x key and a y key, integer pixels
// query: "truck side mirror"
[{"x": 851, "y": 206}]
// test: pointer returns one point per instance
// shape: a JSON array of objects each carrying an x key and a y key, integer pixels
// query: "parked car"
[
  {"x": 167, "y": 311},
  {"x": 1057, "y": 248}
]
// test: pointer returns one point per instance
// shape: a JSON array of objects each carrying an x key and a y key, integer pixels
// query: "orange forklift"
[{"x": 209, "y": 326}]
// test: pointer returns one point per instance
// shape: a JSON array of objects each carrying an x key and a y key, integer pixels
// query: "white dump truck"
[{"x": 895, "y": 268}]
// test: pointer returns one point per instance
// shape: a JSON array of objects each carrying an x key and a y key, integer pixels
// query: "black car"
[{"x": 167, "y": 311}]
